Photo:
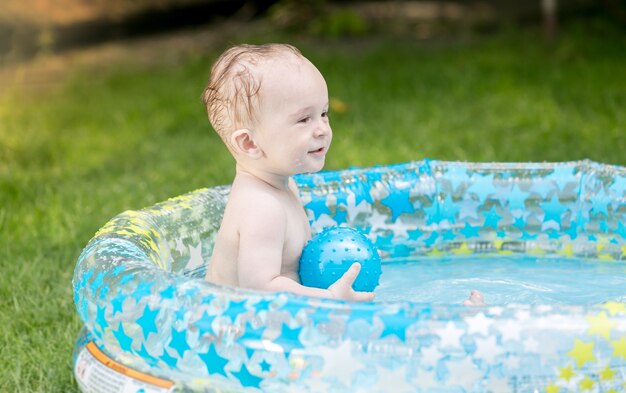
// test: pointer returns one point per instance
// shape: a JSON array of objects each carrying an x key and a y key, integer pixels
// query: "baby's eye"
[
  {"x": 325, "y": 114},
  {"x": 304, "y": 119}
]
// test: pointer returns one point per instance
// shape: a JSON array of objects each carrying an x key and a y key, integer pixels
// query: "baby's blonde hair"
[{"x": 231, "y": 96}]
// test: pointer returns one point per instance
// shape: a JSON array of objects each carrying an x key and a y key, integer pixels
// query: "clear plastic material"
[{"x": 139, "y": 290}]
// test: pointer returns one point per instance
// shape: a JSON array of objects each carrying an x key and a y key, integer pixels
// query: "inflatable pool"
[{"x": 152, "y": 323}]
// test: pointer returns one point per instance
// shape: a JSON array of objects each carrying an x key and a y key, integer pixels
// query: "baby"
[{"x": 269, "y": 104}]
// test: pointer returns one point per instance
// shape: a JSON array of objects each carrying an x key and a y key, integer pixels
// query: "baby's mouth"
[{"x": 317, "y": 151}]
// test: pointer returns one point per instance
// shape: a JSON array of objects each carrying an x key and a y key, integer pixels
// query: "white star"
[
  {"x": 425, "y": 380},
  {"x": 450, "y": 335},
  {"x": 354, "y": 210},
  {"x": 430, "y": 356},
  {"x": 378, "y": 221},
  {"x": 392, "y": 380},
  {"x": 479, "y": 324},
  {"x": 464, "y": 373},
  {"x": 510, "y": 330},
  {"x": 323, "y": 222},
  {"x": 339, "y": 362},
  {"x": 487, "y": 349},
  {"x": 195, "y": 257},
  {"x": 180, "y": 247}
]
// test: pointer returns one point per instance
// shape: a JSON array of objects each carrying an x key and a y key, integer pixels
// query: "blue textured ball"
[{"x": 330, "y": 254}]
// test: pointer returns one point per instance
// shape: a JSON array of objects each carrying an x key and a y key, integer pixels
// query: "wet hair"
[{"x": 231, "y": 96}]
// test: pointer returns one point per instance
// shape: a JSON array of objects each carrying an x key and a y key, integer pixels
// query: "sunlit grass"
[{"x": 106, "y": 142}]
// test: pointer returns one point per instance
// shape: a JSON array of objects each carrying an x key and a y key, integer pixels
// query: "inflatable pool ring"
[
  {"x": 328, "y": 255},
  {"x": 153, "y": 324}
]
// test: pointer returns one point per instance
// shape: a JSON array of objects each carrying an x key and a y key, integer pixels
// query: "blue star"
[
  {"x": 265, "y": 366},
  {"x": 431, "y": 240},
  {"x": 169, "y": 360},
  {"x": 214, "y": 363},
  {"x": 491, "y": 217},
  {"x": 236, "y": 309},
  {"x": 362, "y": 193},
  {"x": 151, "y": 360},
  {"x": 562, "y": 176},
  {"x": 432, "y": 213},
  {"x": 147, "y": 321},
  {"x": 262, "y": 305},
  {"x": 395, "y": 324},
  {"x": 246, "y": 379},
  {"x": 143, "y": 289},
  {"x": 205, "y": 324},
  {"x": 208, "y": 299},
  {"x": 101, "y": 320},
  {"x": 168, "y": 293},
  {"x": 448, "y": 209},
  {"x": 341, "y": 197},
  {"x": 457, "y": 175},
  {"x": 86, "y": 277},
  {"x": 572, "y": 231},
  {"x": 517, "y": 200},
  {"x": 519, "y": 222},
  {"x": 97, "y": 282},
  {"x": 401, "y": 250},
  {"x": 383, "y": 241},
  {"x": 470, "y": 231},
  {"x": 117, "y": 302},
  {"x": 123, "y": 339},
  {"x": 117, "y": 270},
  {"x": 288, "y": 338},
  {"x": 180, "y": 314},
  {"x": 483, "y": 187},
  {"x": 553, "y": 210},
  {"x": 599, "y": 205},
  {"x": 415, "y": 234},
  {"x": 340, "y": 216},
  {"x": 399, "y": 203},
  {"x": 104, "y": 291},
  {"x": 619, "y": 186},
  {"x": 317, "y": 207},
  {"x": 179, "y": 342}
]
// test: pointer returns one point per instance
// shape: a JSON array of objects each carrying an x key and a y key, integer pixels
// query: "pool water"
[{"x": 504, "y": 280}]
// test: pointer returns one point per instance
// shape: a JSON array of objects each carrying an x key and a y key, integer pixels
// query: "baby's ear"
[{"x": 242, "y": 142}]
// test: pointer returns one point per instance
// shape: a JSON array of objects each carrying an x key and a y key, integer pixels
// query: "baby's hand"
[
  {"x": 475, "y": 299},
  {"x": 342, "y": 288}
]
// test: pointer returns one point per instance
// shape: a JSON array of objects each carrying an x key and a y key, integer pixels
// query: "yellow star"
[
  {"x": 600, "y": 325},
  {"x": 619, "y": 347},
  {"x": 568, "y": 250},
  {"x": 611, "y": 391},
  {"x": 566, "y": 373},
  {"x": 435, "y": 252},
  {"x": 615, "y": 308},
  {"x": 582, "y": 352},
  {"x": 586, "y": 384},
  {"x": 552, "y": 388},
  {"x": 463, "y": 249},
  {"x": 607, "y": 374}
]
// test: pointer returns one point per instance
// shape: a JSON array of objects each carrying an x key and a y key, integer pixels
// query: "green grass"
[{"x": 129, "y": 137}]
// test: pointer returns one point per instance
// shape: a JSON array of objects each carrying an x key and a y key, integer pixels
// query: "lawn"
[{"x": 130, "y": 136}]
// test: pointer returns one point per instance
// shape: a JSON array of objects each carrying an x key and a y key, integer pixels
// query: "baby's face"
[{"x": 293, "y": 128}]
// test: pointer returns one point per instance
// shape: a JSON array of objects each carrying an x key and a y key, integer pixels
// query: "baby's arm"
[{"x": 261, "y": 242}]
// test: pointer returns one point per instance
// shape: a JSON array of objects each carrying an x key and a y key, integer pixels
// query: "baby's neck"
[{"x": 280, "y": 182}]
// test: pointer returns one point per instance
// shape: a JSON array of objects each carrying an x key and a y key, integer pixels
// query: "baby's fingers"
[
  {"x": 350, "y": 275},
  {"x": 363, "y": 296}
]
